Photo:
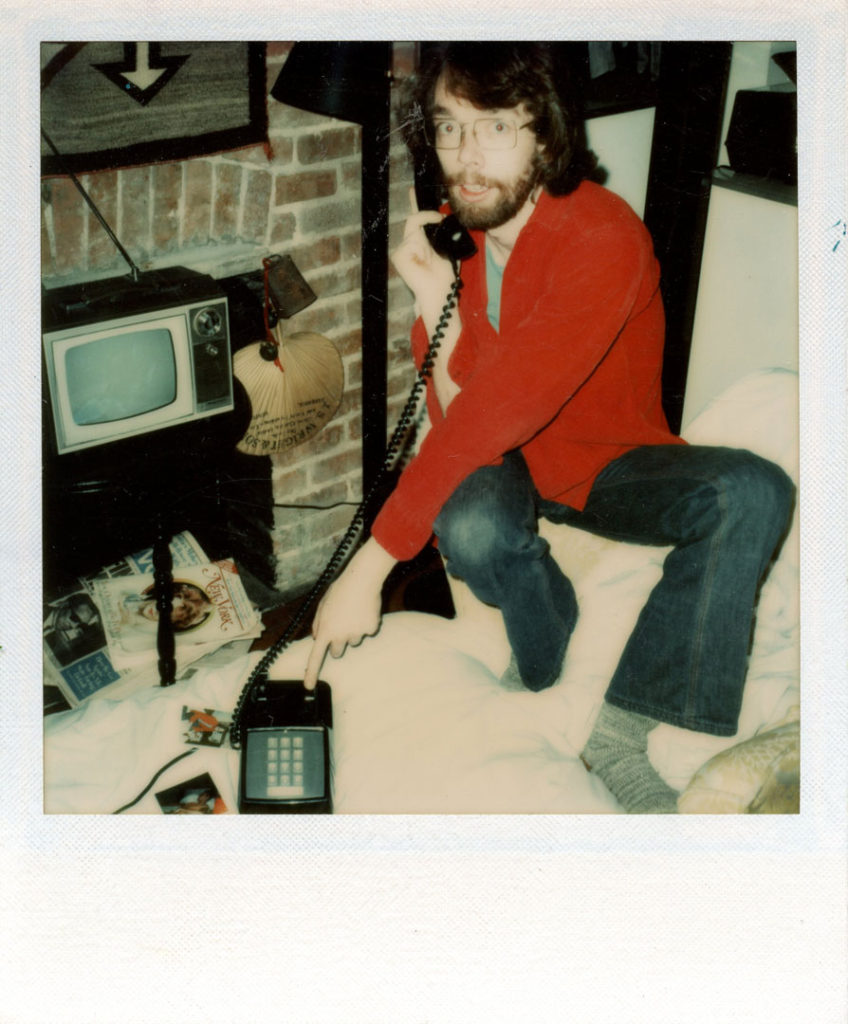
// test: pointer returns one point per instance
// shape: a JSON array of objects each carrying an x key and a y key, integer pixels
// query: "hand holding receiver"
[
  {"x": 351, "y": 608},
  {"x": 427, "y": 274},
  {"x": 450, "y": 239}
]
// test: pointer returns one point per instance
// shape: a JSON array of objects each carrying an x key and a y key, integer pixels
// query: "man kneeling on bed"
[{"x": 545, "y": 400}]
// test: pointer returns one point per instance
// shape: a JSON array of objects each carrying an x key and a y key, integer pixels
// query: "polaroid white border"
[{"x": 476, "y": 919}]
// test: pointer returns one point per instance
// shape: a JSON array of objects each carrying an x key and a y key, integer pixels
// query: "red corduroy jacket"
[{"x": 573, "y": 377}]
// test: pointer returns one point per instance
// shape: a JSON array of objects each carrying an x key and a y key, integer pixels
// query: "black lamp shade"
[{"x": 349, "y": 81}]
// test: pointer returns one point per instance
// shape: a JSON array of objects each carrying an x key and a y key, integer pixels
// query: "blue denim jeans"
[{"x": 724, "y": 510}]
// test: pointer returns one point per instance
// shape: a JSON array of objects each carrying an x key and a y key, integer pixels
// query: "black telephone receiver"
[{"x": 450, "y": 239}]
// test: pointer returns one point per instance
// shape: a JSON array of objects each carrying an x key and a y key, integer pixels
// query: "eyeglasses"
[{"x": 489, "y": 133}]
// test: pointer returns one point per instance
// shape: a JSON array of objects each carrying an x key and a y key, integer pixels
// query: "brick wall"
[{"x": 220, "y": 215}]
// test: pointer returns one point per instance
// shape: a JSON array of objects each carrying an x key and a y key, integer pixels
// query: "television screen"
[{"x": 121, "y": 376}]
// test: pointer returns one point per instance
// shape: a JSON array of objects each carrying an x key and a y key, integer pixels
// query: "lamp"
[{"x": 351, "y": 81}]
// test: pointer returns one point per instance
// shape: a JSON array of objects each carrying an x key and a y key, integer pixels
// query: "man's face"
[{"x": 486, "y": 187}]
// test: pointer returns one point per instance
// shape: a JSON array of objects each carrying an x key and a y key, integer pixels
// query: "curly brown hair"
[{"x": 494, "y": 75}]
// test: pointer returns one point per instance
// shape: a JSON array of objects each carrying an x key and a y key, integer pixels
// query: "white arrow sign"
[
  {"x": 144, "y": 75},
  {"x": 143, "y": 71}
]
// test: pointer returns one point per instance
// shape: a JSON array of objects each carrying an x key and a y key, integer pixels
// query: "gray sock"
[
  {"x": 511, "y": 679},
  {"x": 617, "y": 752}
]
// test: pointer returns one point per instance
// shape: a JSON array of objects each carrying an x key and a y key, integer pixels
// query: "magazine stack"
[{"x": 100, "y": 638}]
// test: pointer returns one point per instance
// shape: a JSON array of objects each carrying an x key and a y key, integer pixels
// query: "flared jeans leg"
[
  {"x": 726, "y": 512},
  {"x": 723, "y": 511},
  {"x": 488, "y": 536}
]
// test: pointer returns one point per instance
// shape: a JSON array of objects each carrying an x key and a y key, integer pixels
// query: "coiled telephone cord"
[{"x": 346, "y": 545}]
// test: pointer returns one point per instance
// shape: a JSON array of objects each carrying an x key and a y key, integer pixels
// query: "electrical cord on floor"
[
  {"x": 315, "y": 508},
  {"x": 293, "y": 505},
  {"x": 152, "y": 782}
]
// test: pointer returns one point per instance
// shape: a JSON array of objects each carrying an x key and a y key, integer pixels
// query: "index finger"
[
  {"x": 413, "y": 200},
  {"x": 314, "y": 662},
  {"x": 416, "y": 221}
]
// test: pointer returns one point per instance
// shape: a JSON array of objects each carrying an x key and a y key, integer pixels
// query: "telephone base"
[{"x": 285, "y": 755}]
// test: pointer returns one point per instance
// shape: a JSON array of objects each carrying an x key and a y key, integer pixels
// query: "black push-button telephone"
[
  {"x": 283, "y": 729},
  {"x": 285, "y": 763}
]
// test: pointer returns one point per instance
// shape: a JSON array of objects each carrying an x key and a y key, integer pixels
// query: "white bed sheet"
[{"x": 420, "y": 722}]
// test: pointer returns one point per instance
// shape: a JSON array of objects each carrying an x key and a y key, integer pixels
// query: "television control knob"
[
  {"x": 211, "y": 350},
  {"x": 208, "y": 322}
]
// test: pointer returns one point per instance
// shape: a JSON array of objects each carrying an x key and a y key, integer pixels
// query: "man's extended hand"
[{"x": 350, "y": 610}]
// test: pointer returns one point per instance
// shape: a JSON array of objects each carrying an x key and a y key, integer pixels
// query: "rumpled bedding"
[{"x": 421, "y": 724}]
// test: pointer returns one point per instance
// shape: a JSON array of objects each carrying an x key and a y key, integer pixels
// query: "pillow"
[
  {"x": 758, "y": 412},
  {"x": 759, "y": 776}
]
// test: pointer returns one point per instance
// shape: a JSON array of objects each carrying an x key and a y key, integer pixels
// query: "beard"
[{"x": 511, "y": 197}]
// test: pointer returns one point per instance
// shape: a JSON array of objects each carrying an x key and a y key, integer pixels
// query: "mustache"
[{"x": 458, "y": 180}]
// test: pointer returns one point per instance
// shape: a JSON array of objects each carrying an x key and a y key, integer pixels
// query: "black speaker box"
[{"x": 762, "y": 137}]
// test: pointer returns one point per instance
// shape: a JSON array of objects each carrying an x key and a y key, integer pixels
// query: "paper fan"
[{"x": 294, "y": 387}]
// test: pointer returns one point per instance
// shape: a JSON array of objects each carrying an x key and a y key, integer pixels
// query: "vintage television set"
[{"x": 131, "y": 355}]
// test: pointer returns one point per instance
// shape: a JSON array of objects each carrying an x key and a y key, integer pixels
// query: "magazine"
[
  {"x": 76, "y": 656},
  {"x": 210, "y": 608}
]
